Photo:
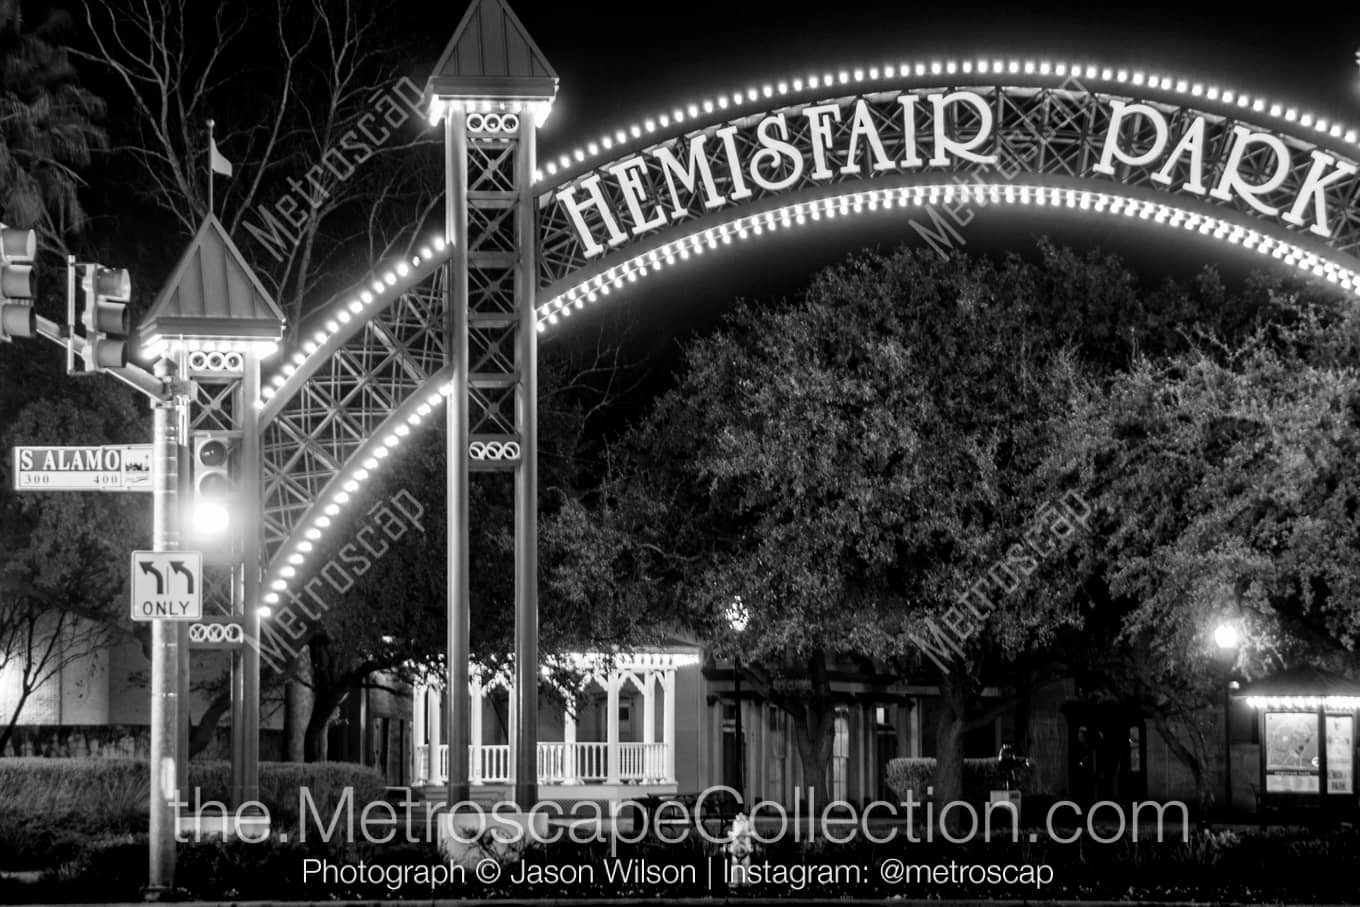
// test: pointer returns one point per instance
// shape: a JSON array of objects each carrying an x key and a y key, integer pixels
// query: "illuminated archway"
[{"x": 1233, "y": 167}]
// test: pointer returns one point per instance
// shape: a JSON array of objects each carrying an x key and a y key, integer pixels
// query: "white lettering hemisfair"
[{"x": 649, "y": 190}]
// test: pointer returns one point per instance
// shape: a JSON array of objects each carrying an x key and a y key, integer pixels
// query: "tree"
[
  {"x": 47, "y": 128},
  {"x": 1226, "y": 491},
  {"x": 324, "y": 175},
  {"x": 64, "y": 574},
  {"x": 848, "y": 465}
]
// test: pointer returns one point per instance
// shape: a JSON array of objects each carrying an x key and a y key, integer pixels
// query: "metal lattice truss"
[
  {"x": 493, "y": 229},
  {"x": 217, "y": 407},
  {"x": 356, "y": 387},
  {"x": 338, "y": 398}
]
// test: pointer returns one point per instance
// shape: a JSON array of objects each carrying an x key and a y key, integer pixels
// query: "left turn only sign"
[{"x": 167, "y": 585}]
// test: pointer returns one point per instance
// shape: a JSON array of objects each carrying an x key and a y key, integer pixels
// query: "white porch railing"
[
  {"x": 558, "y": 763},
  {"x": 488, "y": 763},
  {"x": 591, "y": 760}
]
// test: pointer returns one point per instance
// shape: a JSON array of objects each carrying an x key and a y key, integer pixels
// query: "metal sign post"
[{"x": 170, "y": 419}]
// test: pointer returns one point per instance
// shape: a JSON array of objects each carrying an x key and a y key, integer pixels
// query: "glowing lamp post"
[
  {"x": 1227, "y": 638},
  {"x": 212, "y": 323},
  {"x": 737, "y": 618}
]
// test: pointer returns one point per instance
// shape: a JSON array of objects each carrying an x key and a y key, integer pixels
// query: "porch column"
[
  {"x": 569, "y": 743},
  {"x": 649, "y": 766},
  {"x": 914, "y": 727},
  {"x": 478, "y": 695},
  {"x": 418, "y": 715},
  {"x": 866, "y": 745},
  {"x": 760, "y": 776},
  {"x": 612, "y": 723},
  {"x": 435, "y": 705},
  {"x": 512, "y": 734},
  {"x": 668, "y": 723}
]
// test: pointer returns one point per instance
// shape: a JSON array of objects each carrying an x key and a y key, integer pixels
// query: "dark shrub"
[
  {"x": 51, "y": 808},
  {"x": 980, "y": 776}
]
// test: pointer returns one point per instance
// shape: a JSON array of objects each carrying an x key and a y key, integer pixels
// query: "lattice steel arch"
[
  {"x": 379, "y": 346},
  {"x": 1047, "y": 116}
]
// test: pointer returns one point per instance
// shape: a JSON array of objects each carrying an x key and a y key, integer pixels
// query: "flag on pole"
[{"x": 219, "y": 163}]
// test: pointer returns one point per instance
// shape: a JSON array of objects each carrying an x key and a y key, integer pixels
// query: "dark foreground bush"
[
  {"x": 280, "y": 783},
  {"x": 51, "y": 808},
  {"x": 980, "y": 776}
]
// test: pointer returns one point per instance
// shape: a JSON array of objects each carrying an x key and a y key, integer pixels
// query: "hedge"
[
  {"x": 980, "y": 776},
  {"x": 49, "y": 808}
]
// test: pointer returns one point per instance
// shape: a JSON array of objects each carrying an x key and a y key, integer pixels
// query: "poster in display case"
[
  {"x": 1291, "y": 753},
  {"x": 1340, "y": 754}
]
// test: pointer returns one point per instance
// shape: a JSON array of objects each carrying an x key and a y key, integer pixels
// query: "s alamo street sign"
[{"x": 109, "y": 467}]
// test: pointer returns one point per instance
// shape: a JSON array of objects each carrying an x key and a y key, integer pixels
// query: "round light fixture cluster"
[
  {"x": 493, "y": 450},
  {"x": 203, "y": 361},
  {"x": 493, "y": 123},
  {"x": 539, "y": 109},
  {"x": 216, "y": 633}
]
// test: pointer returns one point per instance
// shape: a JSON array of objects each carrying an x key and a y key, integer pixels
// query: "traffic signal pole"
[
  {"x": 169, "y": 745},
  {"x": 102, "y": 347},
  {"x": 170, "y": 418},
  {"x": 251, "y": 519}
]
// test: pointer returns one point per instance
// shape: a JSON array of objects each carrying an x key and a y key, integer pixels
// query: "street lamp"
[
  {"x": 1227, "y": 638},
  {"x": 737, "y": 618}
]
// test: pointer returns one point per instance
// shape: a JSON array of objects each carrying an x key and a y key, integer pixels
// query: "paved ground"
[{"x": 717, "y": 902}]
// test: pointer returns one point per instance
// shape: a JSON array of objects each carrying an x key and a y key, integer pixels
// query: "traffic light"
[
  {"x": 17, "y": 248},
  {"x": 105, "y": 318},
  {"x": 214, "y": 484}
]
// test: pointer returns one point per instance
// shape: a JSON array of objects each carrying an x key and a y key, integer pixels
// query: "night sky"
[{"x": 620, "y": 61}]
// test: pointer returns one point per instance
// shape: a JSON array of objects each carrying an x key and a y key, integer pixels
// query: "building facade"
[{"x": 663, "y": 722}]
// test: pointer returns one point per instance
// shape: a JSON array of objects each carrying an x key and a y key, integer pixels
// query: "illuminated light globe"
[
  {"x": 737, "y": 615},
  {"x": 1226, "y": 636},
  {"x": 211, "y": 517}
]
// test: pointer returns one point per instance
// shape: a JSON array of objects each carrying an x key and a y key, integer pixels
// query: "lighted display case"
[{"x": 1307, "y": 726}]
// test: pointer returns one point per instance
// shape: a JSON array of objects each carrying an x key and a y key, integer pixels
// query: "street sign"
[
  {"x": 167, "y": 585},
  {"x": 108, "y": 467}
]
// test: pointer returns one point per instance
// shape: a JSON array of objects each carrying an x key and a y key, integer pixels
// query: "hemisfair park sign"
[
  {"x": 815, "y": 145},
  {"x": 1238, "y": 167},
  {"x": 527, "y": 243}
]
